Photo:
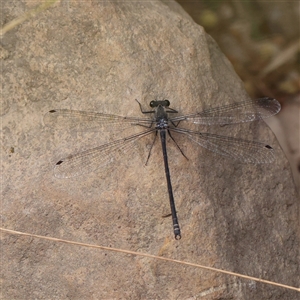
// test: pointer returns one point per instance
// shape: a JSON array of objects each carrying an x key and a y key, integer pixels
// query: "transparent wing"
[
  {"x": 90, "y": 160},
  {"x": 245, "y": 111},
  {"x": 238, "y": 149},
  {"x": 87, "y": 121}
]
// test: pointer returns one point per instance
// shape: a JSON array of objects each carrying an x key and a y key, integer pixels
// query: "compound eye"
[
  {"x": 167, "y": 102},
  {"x": 152, "y": 104}
]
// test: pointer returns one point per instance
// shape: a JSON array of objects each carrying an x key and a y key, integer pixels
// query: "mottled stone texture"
[{"x": 101, "y": 56}]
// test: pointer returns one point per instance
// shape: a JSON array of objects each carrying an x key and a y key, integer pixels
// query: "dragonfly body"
[
  {"x": 235, "y": 148},
  {"x": 162, "y": 125}
]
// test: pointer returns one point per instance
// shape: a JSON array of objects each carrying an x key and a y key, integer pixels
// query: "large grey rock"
[{"x": 100, "y": 56}]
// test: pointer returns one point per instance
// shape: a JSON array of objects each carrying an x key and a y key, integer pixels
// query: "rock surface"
[{"x": 101, "y": 56}]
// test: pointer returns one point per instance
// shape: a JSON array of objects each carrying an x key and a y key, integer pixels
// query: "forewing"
[
  {"x": 92, "y": 159},
  {"x": 245, "y": 111},
  {"x": 75, "y": 120}
]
